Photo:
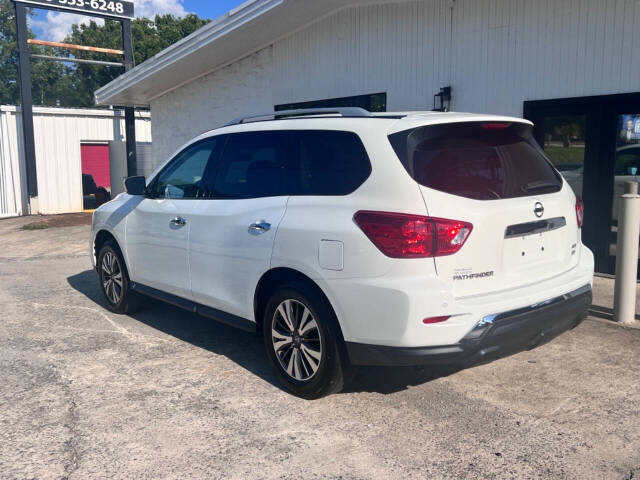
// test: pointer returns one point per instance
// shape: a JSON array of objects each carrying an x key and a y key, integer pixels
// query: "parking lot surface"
[{"x": 167, "y": 394}]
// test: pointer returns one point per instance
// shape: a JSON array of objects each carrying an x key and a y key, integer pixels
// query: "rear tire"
[
  {"x": 302, "y": 343},
  {"x": 114, "y": 280}
]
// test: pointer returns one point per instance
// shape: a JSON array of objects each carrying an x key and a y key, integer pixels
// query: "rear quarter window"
[
  {"x": 326, "y": 162},
  {"x": 479, "y": 160}
]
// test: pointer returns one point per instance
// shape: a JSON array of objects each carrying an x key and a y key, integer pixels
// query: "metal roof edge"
[
  {"x": 79, "y": 112},
  {"x": 202, "y": 37}
]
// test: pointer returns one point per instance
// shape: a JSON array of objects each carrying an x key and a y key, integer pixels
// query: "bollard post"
[
  {"x": 631, "y": 188},
  {"x": 624, "y": 297}
]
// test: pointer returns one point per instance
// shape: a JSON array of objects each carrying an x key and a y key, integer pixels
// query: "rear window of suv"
[{"x": 479, "y": 160}]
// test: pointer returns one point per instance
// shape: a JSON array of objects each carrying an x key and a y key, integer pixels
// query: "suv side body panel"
[
  {"x": 112, "y": 217},
  {"x": 311, "y": 220},
  {"x": 227, "y": 258},
  {"x": 157, "y": 249}
]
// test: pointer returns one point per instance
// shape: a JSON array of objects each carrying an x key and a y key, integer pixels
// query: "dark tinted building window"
[
  {"x": 480, "y": 160},
  {"x": 628, "y": 161},
  {"x": 326, "y": 162},
  {"x": 252, "y": 165},
  {"x": 374, "y": 102}
]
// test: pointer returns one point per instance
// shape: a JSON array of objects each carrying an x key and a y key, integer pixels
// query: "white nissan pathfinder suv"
[{"x": 351, "y": 238}]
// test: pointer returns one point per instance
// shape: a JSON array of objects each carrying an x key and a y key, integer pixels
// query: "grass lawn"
[{"x": 560, "y": 155}]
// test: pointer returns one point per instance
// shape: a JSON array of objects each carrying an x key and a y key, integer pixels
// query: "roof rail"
[{"x": 356, "y": 112}]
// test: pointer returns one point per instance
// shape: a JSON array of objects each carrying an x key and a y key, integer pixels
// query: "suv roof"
[
  {"x": 357, "y": 112},
  {"x": 388, "y": 122},
  {"x": 352, "y": 112}
]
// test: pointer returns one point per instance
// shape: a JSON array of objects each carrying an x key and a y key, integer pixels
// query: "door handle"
[
  {"x": 260, "y": 226},
  {"x": 178, "y": 221}
]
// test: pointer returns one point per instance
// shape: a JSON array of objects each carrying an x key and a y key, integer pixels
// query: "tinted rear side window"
[
  {"x": 252, "y": 165},
  {"x": 325, "y": 162},
  {"x": 479, "y": 160}
]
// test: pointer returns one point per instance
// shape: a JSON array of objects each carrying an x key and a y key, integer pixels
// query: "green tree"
[
  {"x": 84, "y": 79},
  {"x": 9, "y": 89},
  {"x": 73, "y": 85},
  {"x": 149, "y": 37},
  {"x": 47, "y": 78}
]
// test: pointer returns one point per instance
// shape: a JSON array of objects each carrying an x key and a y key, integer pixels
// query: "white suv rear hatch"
[{"x": 493, "y": 175}]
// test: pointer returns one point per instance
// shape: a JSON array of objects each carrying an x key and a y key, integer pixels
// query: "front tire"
[
  {"x": 114, "y": 280},
  {"x": 301, "y": 342}
]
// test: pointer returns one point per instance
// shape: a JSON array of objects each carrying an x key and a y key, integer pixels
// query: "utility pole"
[{"x": 129, "y": 112}]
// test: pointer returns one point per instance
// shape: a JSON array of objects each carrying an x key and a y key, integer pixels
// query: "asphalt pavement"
[{"x": 164, "y": 393}]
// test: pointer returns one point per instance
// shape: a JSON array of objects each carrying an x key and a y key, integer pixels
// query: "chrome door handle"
[
  {"x": 179, "y": 221},
  {"x": 260, "y": 226}
]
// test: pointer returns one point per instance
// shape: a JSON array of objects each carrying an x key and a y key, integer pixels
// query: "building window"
[{"x": 374, "y": 102}]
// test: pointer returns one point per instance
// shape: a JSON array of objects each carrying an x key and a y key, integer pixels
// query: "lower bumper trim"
[{"x": 507, "y": 333}]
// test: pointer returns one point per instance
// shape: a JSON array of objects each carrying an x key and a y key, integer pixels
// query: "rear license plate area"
[{"x": 522, "y": 252}]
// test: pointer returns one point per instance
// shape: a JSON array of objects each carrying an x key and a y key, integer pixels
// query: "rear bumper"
[{"x": 494, "y": 336}]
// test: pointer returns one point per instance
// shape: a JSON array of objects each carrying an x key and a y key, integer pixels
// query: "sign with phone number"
[{"x": 110, "y": 8}]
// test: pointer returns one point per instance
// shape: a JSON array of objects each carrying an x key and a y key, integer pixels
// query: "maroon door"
[{"x": 95, "y": 162}]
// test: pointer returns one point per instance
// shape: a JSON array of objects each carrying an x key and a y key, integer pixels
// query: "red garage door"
[{"x": 95, "y": 162}]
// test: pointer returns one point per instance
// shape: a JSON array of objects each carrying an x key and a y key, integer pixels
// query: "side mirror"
[{"x": 135, "y": 185}]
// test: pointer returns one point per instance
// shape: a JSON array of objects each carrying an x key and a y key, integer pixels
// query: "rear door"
[
  {"x": 232, "y": 234},
  {"x": 494, "y": 175}
]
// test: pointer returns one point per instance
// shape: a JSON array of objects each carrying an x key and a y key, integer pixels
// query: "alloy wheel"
[
  {"x": 296, "y": 339},
  {"x": 111, "y": 277}
]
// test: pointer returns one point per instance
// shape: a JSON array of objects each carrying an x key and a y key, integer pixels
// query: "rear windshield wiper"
[{"x": 538, "y": 185}]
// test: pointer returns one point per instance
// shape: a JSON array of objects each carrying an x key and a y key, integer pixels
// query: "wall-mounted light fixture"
[{"x": 445, "y": 100}]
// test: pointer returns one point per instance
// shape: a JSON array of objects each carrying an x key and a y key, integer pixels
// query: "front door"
[
  {"x": 157, "y": 234},
  {"x": 157, "y": 230}
]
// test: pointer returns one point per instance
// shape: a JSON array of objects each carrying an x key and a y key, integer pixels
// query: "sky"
[{"x": 49, "y": 25}]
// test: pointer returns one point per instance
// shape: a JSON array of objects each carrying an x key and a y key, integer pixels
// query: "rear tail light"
[
  {"x": 400, "y": 235},
  {"x": 579, "y": 211}
]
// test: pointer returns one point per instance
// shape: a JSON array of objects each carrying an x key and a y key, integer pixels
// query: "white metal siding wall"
[
  {"x": 12, "y": 179},
  {"x": 58, "y": 135},
  {"x": 509, "y": 51},
  {"x": 239, "y": 89},
  {"x": 398, "y": 48},
  {"x": 144, "y": 159},
  {"x": 495, "y": 53}
]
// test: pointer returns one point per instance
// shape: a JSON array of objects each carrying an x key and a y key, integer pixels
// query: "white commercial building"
[
  {"x": 66, "y": 140},
  {"x": 572, "y": 66}
]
